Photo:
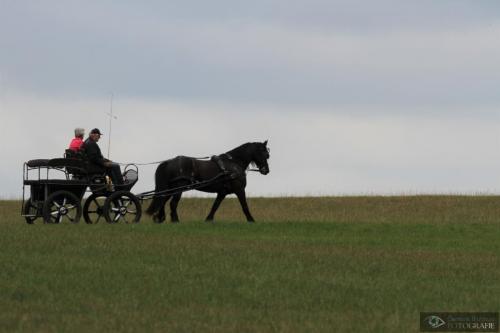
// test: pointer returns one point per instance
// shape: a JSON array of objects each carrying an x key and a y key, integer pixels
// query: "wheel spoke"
[
  {"x": 72, "y": 216},
  {"x": 60, "y": 207},
  {"x": 94, "y": 208}
]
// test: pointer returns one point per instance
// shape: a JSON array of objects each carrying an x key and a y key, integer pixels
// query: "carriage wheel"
[
  {"x": 93, "y": 209},
  {"x": 62, "y": 206},
  {"x": 31, "y": 212},
  {"x": 122, "y": 206}
]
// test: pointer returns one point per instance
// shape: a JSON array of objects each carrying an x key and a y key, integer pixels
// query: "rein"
[
  {"x": 158, "y": 162},
  {"x": 197, "y": 158},
  {"x": 151, "y": 163}
]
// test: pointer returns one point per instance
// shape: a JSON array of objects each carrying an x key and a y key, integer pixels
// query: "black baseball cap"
[{"x": 95, "y": 131}]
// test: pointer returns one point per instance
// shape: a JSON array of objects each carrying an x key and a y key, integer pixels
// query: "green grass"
[{"x": 348, "y": 264}]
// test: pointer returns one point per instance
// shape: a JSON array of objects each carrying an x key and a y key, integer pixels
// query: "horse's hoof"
[{"x": 157, "y": 220}]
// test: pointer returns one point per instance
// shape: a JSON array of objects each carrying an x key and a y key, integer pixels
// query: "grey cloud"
[
  {"x": 346, "y": 14},
  {"x": 283, "y": 52}
]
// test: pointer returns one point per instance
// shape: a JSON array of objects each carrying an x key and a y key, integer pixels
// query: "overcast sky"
[{"x": 355, "y": 97}]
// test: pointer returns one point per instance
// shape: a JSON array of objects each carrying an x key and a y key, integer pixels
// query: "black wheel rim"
[
  {"x": 63, "y": 209},
  {"x": 30, "y": 210},
  {"x": 123, "y": 209},
  {"x": 122, "y": 206}
]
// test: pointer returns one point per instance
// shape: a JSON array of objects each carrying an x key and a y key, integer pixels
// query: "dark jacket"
[{"x": 94, "y": 155}]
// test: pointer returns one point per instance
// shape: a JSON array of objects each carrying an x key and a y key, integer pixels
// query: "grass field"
[{"x": 342, "y": 264}]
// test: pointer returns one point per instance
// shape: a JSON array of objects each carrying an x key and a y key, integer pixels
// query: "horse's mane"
[{"x": 241, "y": 152}]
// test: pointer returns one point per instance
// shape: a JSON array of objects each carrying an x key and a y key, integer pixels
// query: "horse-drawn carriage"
[{"x": 57, "y": 187}]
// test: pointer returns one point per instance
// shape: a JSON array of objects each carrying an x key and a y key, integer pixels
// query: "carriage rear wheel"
[
  {"x": 93, "y": 209},
  {"x": 122, "y": 206},
  {"x": 30, "y": 212},
  {"x": 62, "y": 206}
]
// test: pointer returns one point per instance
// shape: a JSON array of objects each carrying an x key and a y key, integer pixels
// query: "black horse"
[{"x": 228, "y": 171}]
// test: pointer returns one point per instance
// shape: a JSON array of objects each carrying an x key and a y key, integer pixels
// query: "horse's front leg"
[
  {"x": 243, "y": 201},
  {"x": 215, "y": 206}
]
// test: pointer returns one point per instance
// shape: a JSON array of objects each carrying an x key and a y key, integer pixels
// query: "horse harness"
[{"x": 219, "y": 160}]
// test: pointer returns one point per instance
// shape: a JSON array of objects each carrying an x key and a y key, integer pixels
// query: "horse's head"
[{"x": 260, "y": 157}]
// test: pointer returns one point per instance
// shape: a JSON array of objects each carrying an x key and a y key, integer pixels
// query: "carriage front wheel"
[
  {"x": 122, "y": 206},
  {"x": 62, "y": 206}
]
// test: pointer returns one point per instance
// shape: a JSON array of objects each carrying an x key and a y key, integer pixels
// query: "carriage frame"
[
  {"x": 56, "y": 189},
  {"x": 57, "y": 200}
]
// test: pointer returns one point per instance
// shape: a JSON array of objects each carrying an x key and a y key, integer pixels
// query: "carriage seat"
[
  {"x": 38, "y": 163},
  {"x": 72, "y": 165},
  {"x": 130, "y": 177},
  {"x": 82, "y": 170},
  {"x": 70, "y": 153}
]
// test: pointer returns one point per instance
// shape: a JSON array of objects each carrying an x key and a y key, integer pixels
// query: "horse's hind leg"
[
  {"x": 160, "y": 216},
  {"x": 173, "y": 207}
]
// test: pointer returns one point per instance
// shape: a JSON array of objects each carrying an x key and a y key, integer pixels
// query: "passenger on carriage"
[
  {"x": 77, "y": 141},
  {"x": 97, "y": 162}
]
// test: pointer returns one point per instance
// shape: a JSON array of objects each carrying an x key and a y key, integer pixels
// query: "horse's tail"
[
  {"x": 157, "y": 201},
  {"x": 154, "y": 206}
]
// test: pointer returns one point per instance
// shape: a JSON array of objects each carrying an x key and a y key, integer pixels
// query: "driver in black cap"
[{"x": 97, "y": 162}]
